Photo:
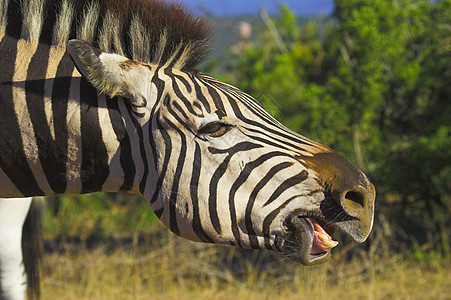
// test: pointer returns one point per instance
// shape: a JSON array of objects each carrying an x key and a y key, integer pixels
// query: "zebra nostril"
[{"x": 356, "y": 197}]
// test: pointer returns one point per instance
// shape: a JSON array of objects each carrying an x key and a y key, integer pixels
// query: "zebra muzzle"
[{"x": 307, "y": 241}]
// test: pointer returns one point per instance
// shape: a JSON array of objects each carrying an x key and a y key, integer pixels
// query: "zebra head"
[{"x": 220, "y": 169}]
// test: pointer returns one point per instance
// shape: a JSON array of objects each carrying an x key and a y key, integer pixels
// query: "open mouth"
[{"x": 308, "y": 240}]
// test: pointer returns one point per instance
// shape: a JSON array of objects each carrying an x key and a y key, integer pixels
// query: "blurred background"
[{"x": 370, "y": 79}]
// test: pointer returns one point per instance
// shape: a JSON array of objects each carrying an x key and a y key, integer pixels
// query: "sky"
[{"x": 252, "y": 7}]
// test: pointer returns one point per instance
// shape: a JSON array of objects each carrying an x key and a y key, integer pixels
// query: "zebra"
[{"x": 106, "y": 96}]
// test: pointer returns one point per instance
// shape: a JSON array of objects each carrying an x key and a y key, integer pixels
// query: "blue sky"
[{"x": 246, "y": 7}]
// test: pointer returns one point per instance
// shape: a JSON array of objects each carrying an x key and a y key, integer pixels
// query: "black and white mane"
[{"x": 151, "y": 31}]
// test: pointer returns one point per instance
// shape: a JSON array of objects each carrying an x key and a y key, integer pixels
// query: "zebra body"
[
  {"x": 49, "y": 158},
  {"x": 137, "y": 117}
]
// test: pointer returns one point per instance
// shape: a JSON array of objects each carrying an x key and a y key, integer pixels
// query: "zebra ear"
[{"x": 101, "y": 69}]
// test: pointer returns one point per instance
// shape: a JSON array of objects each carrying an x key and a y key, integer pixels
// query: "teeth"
[
  {"x": 330, "y": 244},
  {"x": 326, "y": 242},
  {"x": 322, "y": 237}
]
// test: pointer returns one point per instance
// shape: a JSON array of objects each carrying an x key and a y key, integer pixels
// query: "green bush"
[{"x": 97, "y": 217}]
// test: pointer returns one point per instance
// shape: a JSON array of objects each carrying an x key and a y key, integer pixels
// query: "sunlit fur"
[
  {"x": 154, "y": 31},
  {"x": 63, "y": 23},
  {"x": 3, "y": 12},
  {"x": 88, "y": 22},
  {"x": 33, "y": 17}
]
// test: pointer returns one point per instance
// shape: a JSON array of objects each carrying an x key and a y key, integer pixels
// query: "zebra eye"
[{"x": 214, "y": 129}]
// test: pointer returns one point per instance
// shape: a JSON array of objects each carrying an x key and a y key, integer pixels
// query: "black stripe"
[
  {"x": 179, "y": 120},
  {"x": 243, "y": 146},
  {"x": 244, "y": 175},
  {"x": 176, "y": 181},
  {"x": 13, "y": 160},
  {"x": 268, "y": 220},
  {"x": 184, "y": 81},
  {"x": 48, "y": 24},
  {"x": 160, "y": 85},
  {"x": 142, "y": 146},
  {"x": 167, "y": 156},
  {"x": 250, "y": 203},
  {"x": 196, "y": 104},
  {"x": 126, "y": 157},
  {"x": 180, "y": 109},
  {"x": 52, "y": 160},
  {"x": 249, "y": 102},
  {"x": 290, "y": 182},
  {"x": 274, "y": 138},
  {"x": 284, "y": 133},
  {"x": 14, "y": 26},
  {"x": 267, "y": 131},
  {"x": 199, "y": 94},
  {"x": 159, "y": 212},
  {"x": 219, "y": 172},
  {"x": 60, "y": 96},
  {"x": 94, "y": 161},
  {"x": 178, "y": 93},
  {"x": 246, "y": 99},
  {"x": 267, "y": 142},
  {"x": 216, "y": 98},
  {"x": 194, "y": 188}
]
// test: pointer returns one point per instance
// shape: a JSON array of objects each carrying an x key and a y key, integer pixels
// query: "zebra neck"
[{"x": 58, "y": 135}]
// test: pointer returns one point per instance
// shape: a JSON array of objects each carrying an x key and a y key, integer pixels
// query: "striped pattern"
[
  {"x": 254, "y": 164},
  {"x": 211, "y": 162},
  {"x": 52, "y": 141}
]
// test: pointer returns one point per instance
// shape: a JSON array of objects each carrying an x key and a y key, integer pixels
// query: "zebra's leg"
[{"x": 13, "y": 282}]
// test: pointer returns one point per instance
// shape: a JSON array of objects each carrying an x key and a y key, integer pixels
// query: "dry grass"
[{"x": 179, "y": 269}]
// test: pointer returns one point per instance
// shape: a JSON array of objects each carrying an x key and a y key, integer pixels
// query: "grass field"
[{"x": 173, "y": 268}]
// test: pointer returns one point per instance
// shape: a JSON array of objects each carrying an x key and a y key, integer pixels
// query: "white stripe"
[
  {"x": 74, "y": 146},
  {"x": 55, "y": 55},
  {"x": 109, "y": 138},
  {"x": 25, "y": 53}
]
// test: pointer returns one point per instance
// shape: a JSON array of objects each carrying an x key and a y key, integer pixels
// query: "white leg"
[{"x": 13, "y": 282}]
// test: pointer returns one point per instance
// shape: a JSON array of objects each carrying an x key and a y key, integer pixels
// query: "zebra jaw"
[{"x": 306, "y": 241}]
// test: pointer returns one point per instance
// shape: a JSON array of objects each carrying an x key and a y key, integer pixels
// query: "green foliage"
[{"x": 96, "y": 217}]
